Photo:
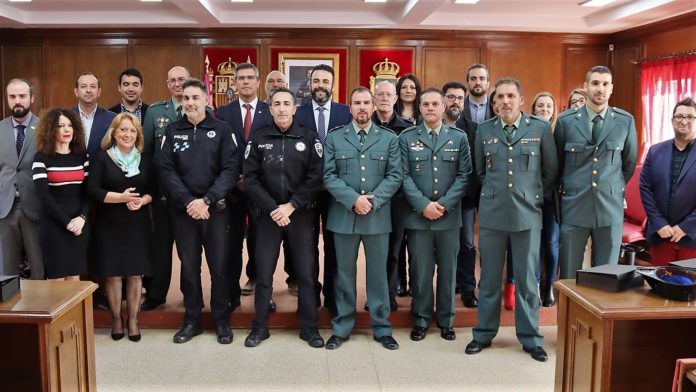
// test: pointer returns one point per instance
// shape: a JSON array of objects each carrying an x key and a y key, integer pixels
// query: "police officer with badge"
[
  {"x": 282, "y": 175},
  {"x": 437, "y": 168},
  {"x": 516, "y": 161},
  {"x": 200, "y": 163},
  {"x": 158, "y": 116}
]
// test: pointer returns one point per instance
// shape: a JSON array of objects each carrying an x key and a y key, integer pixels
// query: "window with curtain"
[{"x": 664, "y": 83}]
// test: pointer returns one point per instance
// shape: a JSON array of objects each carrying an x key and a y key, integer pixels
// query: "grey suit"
[{"x": 18, "y": 216}]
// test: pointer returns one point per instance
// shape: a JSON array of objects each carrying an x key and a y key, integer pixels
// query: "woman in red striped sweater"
[{"x": 60, "y": 174}]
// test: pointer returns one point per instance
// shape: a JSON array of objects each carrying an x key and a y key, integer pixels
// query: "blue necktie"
[
  {"x": 20, "y": 138},
  {"x": 321, "y": 125}
]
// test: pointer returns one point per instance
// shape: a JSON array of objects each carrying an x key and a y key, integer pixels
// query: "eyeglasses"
[
  {"x": 577, "y": 101},
  {"x": 175, "y": 81},
  {"x": 679, "y": 118},
  {"x": 452, "y": 97}
]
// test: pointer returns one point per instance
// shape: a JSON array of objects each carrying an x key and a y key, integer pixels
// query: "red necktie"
[{"x": 247, "y": 121}]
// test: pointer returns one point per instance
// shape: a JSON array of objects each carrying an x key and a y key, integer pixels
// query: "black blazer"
[
  {"x": 232, "y": 114},
  {"x": 466, "y": 111},
  {"x": 117, "y": 109},
  {"x": 102, "y": 120},
  {"x": 340, "y": 115}
]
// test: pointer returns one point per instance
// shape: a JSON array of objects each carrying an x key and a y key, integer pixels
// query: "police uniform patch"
[
  {"x": 211, "y": 134},
  {"x": 161, "y": 122},
  {"x": 267, "y": 146},
  {"x": 247, "y": 150},
  {"x": 181, "y": 137},
  {"x": 300, "y": 146},
  {"x": 319, "y": 149}
]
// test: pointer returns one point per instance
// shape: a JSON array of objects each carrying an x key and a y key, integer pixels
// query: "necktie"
[
  {"x": 596, "y": 127},
  {"x": 361, "y": 135},
  {"x": 509, "y": 132},
  {"x": 321, "y": 124},
  {"x": 20, "y": 138},
  {"x": 178, "y": 113},
  {"x": 247, "y": 121},
  {"x": 433, "y": 137}
]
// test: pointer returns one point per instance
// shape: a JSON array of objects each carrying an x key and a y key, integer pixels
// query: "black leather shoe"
[
  {"x": 312, "y": 337},
  {"x": 335, "y": 342},
  {"x": 272, "y": 307},
  {"x": 469, "y": 299},
  {"x": 150, "y": 305},
  {"x": 224, "y": 334},
  {"x": 475, "y": 347},
  {"x": 549, "y": 298},
  {"x": 256, "y": 335},
  {"x": 447, "y": 333},
  {"x": 187, "y": 332},
  {"x": 537, "y": 352},
  {"x": 418, "y": 333},
  {"x": 387, "y": 342}
]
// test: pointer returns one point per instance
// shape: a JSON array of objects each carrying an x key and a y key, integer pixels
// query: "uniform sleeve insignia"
[
  {"x": 211, "y": 134},
  {"x": 161, "y": 122},
  {"x": 319, "y": 149},
  {"x": 300, "y": 146},
  {"x": 247, "y": 150}
]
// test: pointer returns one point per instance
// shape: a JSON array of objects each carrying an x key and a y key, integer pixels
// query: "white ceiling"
[{"x": 497, "y": 15}]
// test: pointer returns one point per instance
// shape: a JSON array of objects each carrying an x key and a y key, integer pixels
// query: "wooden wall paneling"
[
  {"x": 626, "y": 76},
  {"x": 441, "y": 65},
  {"x": 65, "y": 62},
  {"x": 671, "y": 41},
  {"x": 23, "y": 62},
  {"x": 352, "y": 71},
  {"x": 577, "y": 61},
  {"x": 538, "y": 68},
  {"x": 155, "y": 60}
]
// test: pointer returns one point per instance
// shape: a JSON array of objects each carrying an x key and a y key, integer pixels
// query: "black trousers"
[
  {"x": 212, "y": 234},
  {"x": 323, "y": 201},
  {"x": 239, "y": 210},
  {"x": 397, "y": 245},
  {"x": 157, "y": 285},
  {"x": 300, "y": 239}
]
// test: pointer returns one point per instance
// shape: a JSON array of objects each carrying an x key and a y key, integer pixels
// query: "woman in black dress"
[
  {"x": 120, "y": 184},
  {"x": 60, "y": 172}
]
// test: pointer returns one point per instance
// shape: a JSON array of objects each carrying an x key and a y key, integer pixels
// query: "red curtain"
[{"x": 663, "y": 84}]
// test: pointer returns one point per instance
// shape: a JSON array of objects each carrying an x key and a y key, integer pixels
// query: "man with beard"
[
  {"x": 385, "y": 116},
  {"x": 362, "y": 171},
  {"x": 19, "y": 205},
  {"x": 437, "y": 168},
  {"x": 95, "y": 119},
  {"x": 130, "y": 86},
  {"x": 597, "y": 150},
  {"x": 274, "y": 81},
  {"x": 322, "y": 115},
  {"x": 245, "y": 115},
  {"x": 455, "y": 98}
]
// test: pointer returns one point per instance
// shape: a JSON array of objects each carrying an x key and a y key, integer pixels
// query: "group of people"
[{"x": 403, "y": 168}]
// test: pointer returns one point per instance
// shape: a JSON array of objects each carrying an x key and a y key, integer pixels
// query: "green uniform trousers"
[
  {"x": 376, "y": 250},
  {"x": 428, "y": 248},
  {"x": 525, "y": 261},
  {"x": 606, "y": 246}
]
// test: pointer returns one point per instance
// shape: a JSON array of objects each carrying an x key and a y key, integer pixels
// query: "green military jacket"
[
  {"x": 435, "y": 173},
  {"x": 514, "y": 175},
  {"x": 158, "y": 116},
  {"x": 593, "y": 176},
  {"x": 351, "y": 170}
]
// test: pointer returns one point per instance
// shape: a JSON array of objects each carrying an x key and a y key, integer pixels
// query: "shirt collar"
[
  {"x": 591, "y": 114},
  {"x": 25, "y": 122},
  {"x": 357, "y": 128},
  {"x": 253, "y": 103},
  {"x": 437, "y": 130},
  {"x": 137, "y": 107},
  {"x": 517, "y": 122},
  {"x": 475, "y": 105},
  {"x": 84, "y": 114},
  {"x": 326, "y": 106}
]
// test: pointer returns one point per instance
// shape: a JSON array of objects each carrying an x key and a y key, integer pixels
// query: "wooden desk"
[
  {"x": 47, "y": 338},
  {"x": 627, "y": 341}
]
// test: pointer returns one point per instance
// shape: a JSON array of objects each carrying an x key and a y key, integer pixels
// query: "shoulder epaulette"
[
  {"x": 158, "y": 103},
  {"x": 385, "y": 128},
  {"x": 335, "y": 128},
  {"x": 409, "y": 129},
  {"x": 621, "y": 111},
  {"x": 456, "y": 129},
  {"x": 569, "y": 112}
]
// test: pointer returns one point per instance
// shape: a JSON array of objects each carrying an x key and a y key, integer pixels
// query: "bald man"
[{"x": 274, "y": 81}]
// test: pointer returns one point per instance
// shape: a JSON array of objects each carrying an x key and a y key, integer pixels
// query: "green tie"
[
  {"x": 178, "y": 113},
  {"x": 596, "y": 127},
  {"x": 433, "y": 137},
  {"x": 361, "y": 136},
  {"x": 509, "y": 132}
]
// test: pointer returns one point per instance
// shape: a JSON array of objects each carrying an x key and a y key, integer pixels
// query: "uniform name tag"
[
  {"x": 180, "y": 137},
  {"x": 530, "y": 140},
  {"x": 267, "y": 146}
]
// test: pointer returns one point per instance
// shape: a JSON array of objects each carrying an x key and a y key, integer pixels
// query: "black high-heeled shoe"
[
  {"x": 114, "y": 335},
  {"x": 136, "y": 337}
]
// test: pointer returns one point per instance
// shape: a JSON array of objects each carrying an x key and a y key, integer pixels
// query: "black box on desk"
[
  {"x": 9, "y": 286},
  {"x": 610, "y": 277},
  {"x": 688, "y": 264}
]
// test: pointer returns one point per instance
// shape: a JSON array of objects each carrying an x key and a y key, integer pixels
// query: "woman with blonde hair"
[{"x": 121, "y": 185}]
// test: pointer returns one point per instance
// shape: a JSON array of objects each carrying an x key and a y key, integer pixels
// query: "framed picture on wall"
[{"x": 297, "y": 68}]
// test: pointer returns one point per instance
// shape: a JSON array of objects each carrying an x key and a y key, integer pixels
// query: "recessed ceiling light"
[
  {"x": 375, "y": 1},
  {"x": 242, "y": 1},
  {"x": 466, "y": 1},
  {"x": 151, "y": 1},
  {"x": 595, "y": 3},
  {"x": 20, "y": 1}
]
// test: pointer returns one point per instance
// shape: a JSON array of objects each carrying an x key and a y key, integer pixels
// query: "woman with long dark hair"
[{"x": 408, "y": 88}]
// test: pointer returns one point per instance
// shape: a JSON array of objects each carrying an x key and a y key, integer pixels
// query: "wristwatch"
[{"x": 207, "y": 200}]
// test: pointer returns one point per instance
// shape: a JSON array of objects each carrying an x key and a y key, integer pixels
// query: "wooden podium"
[
  {"x": 627, "y": 341},
  {"x": 47, "y": 338}
]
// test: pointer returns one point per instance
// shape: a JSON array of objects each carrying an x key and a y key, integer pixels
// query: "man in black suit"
[
  {"x": 245, "y": 115},
  {"x": 95, "y": 119},
  {"x": 130, "y": 86},
  {"x": 322, "y": 115}
]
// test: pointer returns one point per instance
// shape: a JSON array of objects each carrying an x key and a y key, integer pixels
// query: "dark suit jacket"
[
  {"x": 471, "y": 198},
  {"x": 340, "y": 115},
  {"x": 117, "y": 109},
  {"x": 102, "y": 120},
  {"x": 17, "y": 170},
  {"x": 466, "y": 110},
  {"x": 654, "y": 192},
  {"x": 232, "y": 114}
]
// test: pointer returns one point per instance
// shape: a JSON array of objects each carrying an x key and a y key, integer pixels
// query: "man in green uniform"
[
  {"x": 158, "y": 116},
  {"x": 362, "y": 171},
  {"x": 516, "y": 161},
  {"x": 597, "y": 151},
  {"x": 437, "y": 166}
]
